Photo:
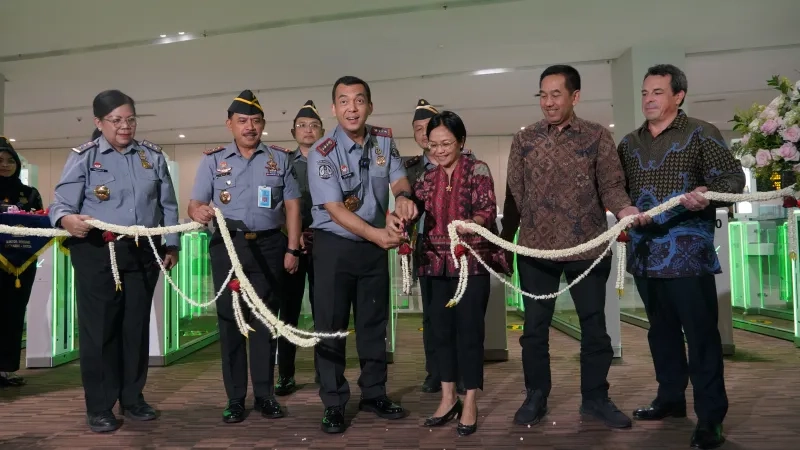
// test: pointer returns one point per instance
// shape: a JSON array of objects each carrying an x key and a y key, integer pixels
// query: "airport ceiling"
[{"x": 183, "y": 61}]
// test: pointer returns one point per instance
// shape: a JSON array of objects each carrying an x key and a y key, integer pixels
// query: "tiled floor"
[{"x": 763, "y": 382}]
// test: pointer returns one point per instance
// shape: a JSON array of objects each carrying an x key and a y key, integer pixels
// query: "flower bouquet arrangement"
[{"x": 770, "y": 134}]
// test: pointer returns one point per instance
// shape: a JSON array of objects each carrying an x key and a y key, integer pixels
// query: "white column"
[{"x": 627, "y": 73}]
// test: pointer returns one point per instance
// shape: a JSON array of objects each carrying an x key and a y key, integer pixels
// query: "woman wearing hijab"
[{"x": 15, "y": 299}]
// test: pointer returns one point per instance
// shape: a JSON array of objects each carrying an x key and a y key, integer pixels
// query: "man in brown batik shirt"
[{"x": 563, "y": 173}]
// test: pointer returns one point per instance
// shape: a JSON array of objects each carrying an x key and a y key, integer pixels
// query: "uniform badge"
[
  {"x": 102, "y": 193},
  {"x": 97, "y": 167},
  {"x": 143, "y": 158},
  {"x": 380, "y": 131},
  {"x": 351, "y": 202},
  {"x": 381, "y": 161},
  {"x": 223, "y": 168},
  {"x": 272, "y": 167},
  {"x": 345, "y": 171},
  {"x": 225, "y": 197},
  {"x": 326, "y": 147},
  {"x": 325, "y": 170},
  {"x": 413, "y": 161}
]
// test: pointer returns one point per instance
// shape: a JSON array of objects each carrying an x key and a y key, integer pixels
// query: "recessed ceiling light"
[
  {"x": 521, "y": 128},
  {"x": 490, "y": 71},
  {"x": 12, "y": 140},
  {"x": 264, "y": 133},
  {"x": 181, "y": 33},
  {"x": 163, "y": 35},
  {"x": 181, "y": 136},
  {"x": 611, "y": 125}
]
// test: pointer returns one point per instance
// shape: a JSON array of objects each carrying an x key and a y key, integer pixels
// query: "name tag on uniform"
[{"x": 264, "y": 197}]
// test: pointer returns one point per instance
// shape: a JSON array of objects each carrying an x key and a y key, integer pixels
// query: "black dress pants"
[
  {"x": 427, "y": 329},
  {"x": 262, "y": 262},
  {"x": 539, "y": 277},
  {"x": 114, "y": 326},
  {"x": 12, "y": 315},
  {"x": 687, "y": 306},
  {"x": 458, "y": 333},
  {"x": 349, "y": 273},
  {"x": 290, "y": 311}
]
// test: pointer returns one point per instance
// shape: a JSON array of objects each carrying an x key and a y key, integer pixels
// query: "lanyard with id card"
[{"x": 265, "y": 197}]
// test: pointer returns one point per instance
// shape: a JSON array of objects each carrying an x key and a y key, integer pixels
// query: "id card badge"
[{"x": 264, "y": 197}]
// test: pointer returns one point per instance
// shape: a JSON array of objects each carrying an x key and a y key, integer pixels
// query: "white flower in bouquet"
[
  {"x": 754, "y": 125},
  {"x": 791, "y": 118},
  {"x": 748, "y": 161}
]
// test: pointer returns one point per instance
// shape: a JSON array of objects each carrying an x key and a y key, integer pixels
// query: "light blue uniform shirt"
[
  {"x": 224, "y": 171},
  {"x": 140, "y": 190},
  {"x": 334, "y": 173}
]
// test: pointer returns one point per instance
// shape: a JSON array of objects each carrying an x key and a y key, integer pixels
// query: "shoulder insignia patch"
[
  {"x": 380, "y": 131},
  {"x": 151, "y": 146},
  {"x": 326, "y": 147},
  {"x": 83, "y": 147},
  {"x": 214, "y": 150},
  {"x": 278, "y": 148},
  {"x": 413, "y": 161}
]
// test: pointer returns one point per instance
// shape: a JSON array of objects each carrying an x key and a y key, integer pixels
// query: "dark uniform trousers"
[
  {"x": 540, "y": 277},
  {"x": 290, "y": 311},
  {"x": 679, "y": 306},
  {"x": 458, "y": 333},
  {"x": 262, "y": 262},
  {"x": 12, "y": 315},
  {"x": 427, "y": 329},
  {"x": 113, "y": 326},
  {"x": 350, "y": 272}
]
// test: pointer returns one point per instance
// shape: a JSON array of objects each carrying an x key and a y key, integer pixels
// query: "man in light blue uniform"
[
  {"x": 254, "y": 186},
  {"x": 117, "y": 180},
  {"x": 351, "y": 171}
]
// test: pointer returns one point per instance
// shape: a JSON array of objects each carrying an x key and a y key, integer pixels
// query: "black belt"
[{"x": 253, "y": 235}]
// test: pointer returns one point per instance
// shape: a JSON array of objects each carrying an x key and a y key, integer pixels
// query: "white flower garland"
[
  {"x": 296, "y": 336},
  {"x": 610, "y": 236},
  {"x": 405, "y": 269}
]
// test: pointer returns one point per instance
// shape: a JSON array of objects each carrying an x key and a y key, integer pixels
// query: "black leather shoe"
[
  {"x": 383, "y": 407},
  {"x": 431, "y": 385},
  {"x": 234, "y": 412},
  {"x": 605, "y": 410},
  {"x": 269, "y": 408},
  {"x": 285, "y": 386},
  {"x": 140, "y": 412},
  {"x": 333, "y": 420},
  {"x": 103, "y": 422},
  {"x": 707, "y": 436},
  {"x": 11, "y": 379},
  {"x": 453, "y": 413},
  {"x": 466, "y": 430},
  {"x": 533, "y": 409},
  {"x": 658, "y": 411}
]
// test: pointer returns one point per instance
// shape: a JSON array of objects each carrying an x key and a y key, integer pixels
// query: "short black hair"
[
  {"x": 108, "y": 101},
  {"x": 572, "y": 79},
  {"x": 677, "y": 79},
  {"x": 349, "y": 80},
  {"x": 449, "y": 120}
]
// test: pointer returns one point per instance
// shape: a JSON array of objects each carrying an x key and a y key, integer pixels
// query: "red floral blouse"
[{"x": 468, "y": 193}]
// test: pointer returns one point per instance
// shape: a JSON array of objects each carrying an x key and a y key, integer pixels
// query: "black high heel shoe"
[
  {"x": 466, "y": 430},
  {"x": 455, "y": 412}
]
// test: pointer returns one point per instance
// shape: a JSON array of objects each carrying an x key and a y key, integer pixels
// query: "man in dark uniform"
[
  {"x": 306, "y": 130},
  {"x": 254, "y": 186},
  {"x": 351, "y": 172},
  {"x": 416, "y": 166}
]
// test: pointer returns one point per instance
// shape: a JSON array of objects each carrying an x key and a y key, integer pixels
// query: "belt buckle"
[{"x": 250, "y": 236}]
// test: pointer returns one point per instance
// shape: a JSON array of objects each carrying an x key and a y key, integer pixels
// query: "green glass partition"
[
  {"x": 65, "y": 314},
  {"x": 763, "y": 278}
]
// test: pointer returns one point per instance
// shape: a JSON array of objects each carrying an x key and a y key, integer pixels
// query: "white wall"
[{"x": 491, "y": 149}]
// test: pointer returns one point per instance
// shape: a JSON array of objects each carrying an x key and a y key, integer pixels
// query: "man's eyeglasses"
[{"x": 310, "y": 126}]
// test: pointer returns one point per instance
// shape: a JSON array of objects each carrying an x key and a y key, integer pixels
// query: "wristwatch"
[
  {"x": 294, "y": 252},
  {"x": 405, "y": 194}
]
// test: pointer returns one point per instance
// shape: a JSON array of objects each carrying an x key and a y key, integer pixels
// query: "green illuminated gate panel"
[
  {"x": 513, "y": 298},
  {"x": 186, "y": 324},
  {"x": 65, "y": 317}
]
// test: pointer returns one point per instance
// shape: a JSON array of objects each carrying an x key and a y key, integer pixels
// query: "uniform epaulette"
[
  {"x": 83, "y": 147},
  {"x": 214, "y": 150},
  {"x": 151, "y": 146},
  {"x": 380, "y": 131},
  {"x": 326, "y": 147},
  {"x": 413, "y": 161},
  {"x": 278, "y": 148}
]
